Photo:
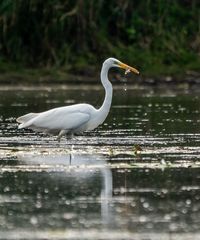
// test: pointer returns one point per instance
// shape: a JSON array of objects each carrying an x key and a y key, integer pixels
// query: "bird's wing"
[{"x": 58, "y": 119}]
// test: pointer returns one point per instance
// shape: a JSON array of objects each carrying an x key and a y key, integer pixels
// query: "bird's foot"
[{"x": 61, "y": 133}]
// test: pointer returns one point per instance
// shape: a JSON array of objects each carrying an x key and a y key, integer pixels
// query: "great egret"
[{"x": 78, "y": 117}]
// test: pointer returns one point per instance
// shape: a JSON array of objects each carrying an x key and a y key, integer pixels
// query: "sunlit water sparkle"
[{"x": 135, "y": 177}]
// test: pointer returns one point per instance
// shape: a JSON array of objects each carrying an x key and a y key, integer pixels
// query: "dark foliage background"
[{"x": 150, "y": 34}]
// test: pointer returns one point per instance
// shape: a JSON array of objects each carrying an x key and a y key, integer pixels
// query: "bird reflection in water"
[{"x": 77, "y": 170}]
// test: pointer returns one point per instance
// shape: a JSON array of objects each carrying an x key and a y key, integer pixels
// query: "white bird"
[{"x": 76, "y": 118}]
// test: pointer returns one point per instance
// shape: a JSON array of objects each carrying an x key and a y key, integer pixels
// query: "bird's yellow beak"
[{"x": 128, "y": 68}]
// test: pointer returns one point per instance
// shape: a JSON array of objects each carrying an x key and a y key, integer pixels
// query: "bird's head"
[{"x": 113, "y": 62}]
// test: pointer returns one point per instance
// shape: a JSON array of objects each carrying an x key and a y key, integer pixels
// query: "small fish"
[{"x": 127, "y": 71}]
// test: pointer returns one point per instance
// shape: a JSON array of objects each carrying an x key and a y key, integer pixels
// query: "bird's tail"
[{"x": 24, "y": 119}]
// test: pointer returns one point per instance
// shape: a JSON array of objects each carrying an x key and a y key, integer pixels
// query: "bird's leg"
[
  {"x": 61, "y": 133},
  {"x": 71, "y": 153},
  {"x": 70, "y": 135},
  {"x": 70, "y": 159}
]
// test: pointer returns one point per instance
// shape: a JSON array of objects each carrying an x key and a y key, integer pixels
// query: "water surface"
[{"x": 135, "y": 177}]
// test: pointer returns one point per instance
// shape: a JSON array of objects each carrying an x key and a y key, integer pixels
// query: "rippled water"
[{"x": 135, "y": 177}]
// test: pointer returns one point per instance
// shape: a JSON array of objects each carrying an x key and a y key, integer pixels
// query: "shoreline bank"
[{"x": 14, "y": 78}]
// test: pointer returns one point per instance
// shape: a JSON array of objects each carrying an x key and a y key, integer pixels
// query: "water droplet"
[
  {"x": 33, "y": 220},
  {"x": 38, "y": 204},
  {"x": 6, "y": 189},
  {"x": 46, "y": 190},
  {"x": 188, "y": 201},
  {"x": 145, "y": 204},
  {"x": 167, "y": 217},
  {"x": 142, "y": 219}
]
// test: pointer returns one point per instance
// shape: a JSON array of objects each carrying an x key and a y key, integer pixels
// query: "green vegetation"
[{"x": 157, "y": 36}]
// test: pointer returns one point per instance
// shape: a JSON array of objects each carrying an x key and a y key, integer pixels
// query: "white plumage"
[{"x": 78, "y": 117}]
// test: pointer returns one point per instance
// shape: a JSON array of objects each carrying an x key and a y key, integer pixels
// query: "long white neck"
[{"x": 104, "y": 109}]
